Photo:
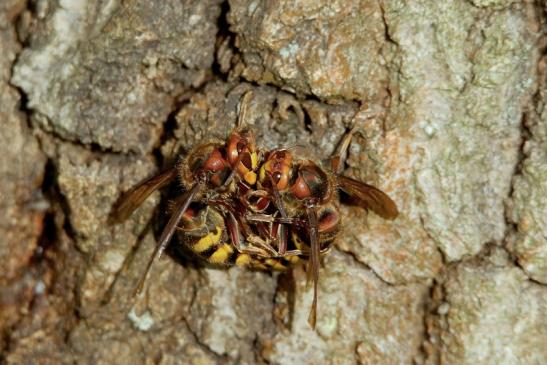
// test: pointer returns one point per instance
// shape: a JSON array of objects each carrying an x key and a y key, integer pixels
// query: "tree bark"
[{"x": 448, "y": 98}]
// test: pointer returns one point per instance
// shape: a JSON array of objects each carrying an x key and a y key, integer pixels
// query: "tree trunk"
[{"x": 448, "y": 101}]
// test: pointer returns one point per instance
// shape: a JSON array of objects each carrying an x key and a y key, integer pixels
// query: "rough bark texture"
[{"x": 449, "y": 97}]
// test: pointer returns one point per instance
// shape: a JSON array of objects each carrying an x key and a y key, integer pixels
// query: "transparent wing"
[
  {"x": 133, "y": 198},
  {"x": 314, "y": 262},
  {"x": 369, "y": 197},
  {"x": 180, "y": 207}
]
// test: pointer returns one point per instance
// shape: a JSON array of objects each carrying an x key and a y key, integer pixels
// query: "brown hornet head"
[
  {"x": 277, "y": 169},
  {"x": 242, "y": 155}
]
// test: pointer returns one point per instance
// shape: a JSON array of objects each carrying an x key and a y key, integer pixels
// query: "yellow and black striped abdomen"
[
  {"x": 214, "y": 248},
  {"x": 205, "y": 235},
  {"x": 275, "y": 263}
]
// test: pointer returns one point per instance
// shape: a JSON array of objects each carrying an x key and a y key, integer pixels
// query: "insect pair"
[{"x": 245, "y": 206}]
